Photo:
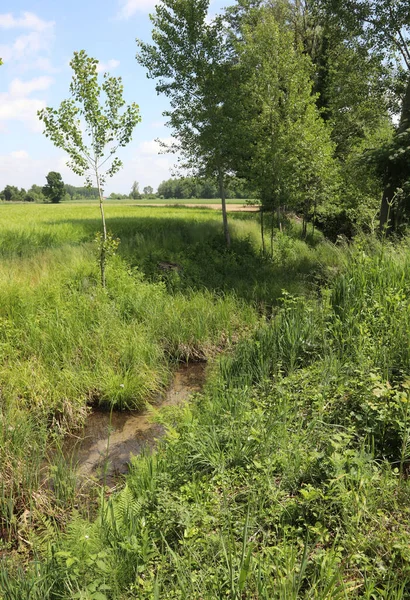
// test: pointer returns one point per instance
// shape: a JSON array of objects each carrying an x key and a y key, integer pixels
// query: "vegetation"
[
  {"x": 190, "y": 59},
  {"x": 77, "y": 193},
  {"x": 135, "y": 193},
  {"x": 195, "y": 187},
  {"x": 287, "y": 476},
  {"x": 106, "y": 130},
  {"x": 54, "y": 190}
]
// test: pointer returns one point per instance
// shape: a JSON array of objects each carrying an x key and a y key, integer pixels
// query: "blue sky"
[{"x": 37, "y": 40}]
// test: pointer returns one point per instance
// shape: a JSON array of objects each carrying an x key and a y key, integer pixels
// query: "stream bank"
[{"x": 102, "y": 450}]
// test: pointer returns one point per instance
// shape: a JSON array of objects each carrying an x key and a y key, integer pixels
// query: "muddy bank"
[{"x": 102, "y": 450}]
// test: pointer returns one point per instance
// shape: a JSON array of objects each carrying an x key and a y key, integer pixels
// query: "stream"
[{"x": 103, "y": 449}]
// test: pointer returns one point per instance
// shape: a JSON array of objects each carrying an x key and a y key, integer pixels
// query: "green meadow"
[{"x": 287, "y": 477}]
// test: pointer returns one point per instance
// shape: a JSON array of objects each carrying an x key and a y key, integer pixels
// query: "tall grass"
[
  {"x": 286, "y": 479},
  {"x": 66, "y": 344}
]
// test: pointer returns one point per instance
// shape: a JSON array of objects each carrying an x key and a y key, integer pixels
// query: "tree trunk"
[
  {"x": 104, "y": 232},
  {"x": 272, "y": 225},
  {"x": 387, "y": 210},
  {"x": 262, "y": 229},
  {"x": 224, "y": 213},
  {"x": 305, "y": 218}
]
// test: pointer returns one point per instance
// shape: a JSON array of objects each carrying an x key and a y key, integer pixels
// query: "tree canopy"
[{"x": 54, "y": 189}]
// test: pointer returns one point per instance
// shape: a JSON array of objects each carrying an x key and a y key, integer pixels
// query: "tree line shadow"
[{"x": 196, "y": 250}]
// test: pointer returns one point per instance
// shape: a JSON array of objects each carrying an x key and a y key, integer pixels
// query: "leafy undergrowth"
[
  {"x": 287, "y": 478},
  {"x": 66, "y": 344}
]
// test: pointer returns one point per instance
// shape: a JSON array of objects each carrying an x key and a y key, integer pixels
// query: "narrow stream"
[{"x": 102, "y": 450}]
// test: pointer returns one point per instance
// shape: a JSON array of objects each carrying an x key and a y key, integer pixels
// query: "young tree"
[
  {"x": 91, "y": 126},
  {"x": 191, "y": 59},
  {"x": 135, "y": 191},
  {"x": 54, "y": 189},
  {"x": 148, "y": 190}
]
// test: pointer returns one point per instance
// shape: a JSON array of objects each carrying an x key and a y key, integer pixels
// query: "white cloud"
[
  {"x": 108, "y": 66},
  {"x": 154, "y": 147},
  {"x": 16, "y": 105},
  {"x": 131, "y": 7},
  {"x": 20, "y": 169},
  {"x": 143, "y": 164},
  {"x": 146, "y": 165},
  {"x": 20, "y": 154},
  {"x": 20, "y": 88},
  {"x": 26, "y": 21},
  {"x": 21, "y": 109},
  {"x": 157, "y": 124},
  {"x": 44, "y": 64},
  {"x": 26, "y": 49}
]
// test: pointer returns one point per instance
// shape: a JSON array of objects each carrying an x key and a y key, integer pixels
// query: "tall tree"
[
  {"x": 135, "y": 191},
  {"x": 291, "y": 157},
  {"x": 384, "y": 27},
  {"x": 191, "y": 60},
  {"x": 54, "y": 189},
  {"x": 106, "y": 129}
]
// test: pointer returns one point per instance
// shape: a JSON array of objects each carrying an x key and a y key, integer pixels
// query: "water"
[{"x": 102, "y": 451}]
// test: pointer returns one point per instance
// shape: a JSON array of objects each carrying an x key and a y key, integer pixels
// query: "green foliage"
[
  {"x": 384, "y": 29},
  {"x": 12, "y": 194},
  {"x": 135, "y": 193},
  {"x": 105, "y": 126},
  {"x": 81, "y": 192},
  {"x": 108, "y": 127},
  {"x": 54, "y": 189},
  {"x": 291, "y": 157},
  {"x": 192, "y": 187},
  {"x": 287, "y": 478},
  {"x": 191, "y": 60}
]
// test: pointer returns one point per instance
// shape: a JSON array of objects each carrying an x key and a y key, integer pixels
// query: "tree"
[
  {"x": 384, "y": 26},
  {"x": 96, "y": 109},
  {"x": 81, "y": 192},
  {"x": 135, "y": 191},
  {"x": 11, "y": 193},
  {"x": 290, "y": 158},
  {"x": 7, "y": 193},
  {"x": 54, "y": 189},
  {"x": 148, "y": 190},
  {"x": 35, "y": 194},
  {"x": 191, "y": 59}
]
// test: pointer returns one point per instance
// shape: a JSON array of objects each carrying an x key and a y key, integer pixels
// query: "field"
[
  {"x": 286, "y": 478},
  {"x": 161, "y": 201}
]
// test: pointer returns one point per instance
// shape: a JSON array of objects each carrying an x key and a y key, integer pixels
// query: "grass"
[
  {"x": 287, "y": 478},
  {"x": 66, "y": 344},
  {"x": 159, "y": 201}
]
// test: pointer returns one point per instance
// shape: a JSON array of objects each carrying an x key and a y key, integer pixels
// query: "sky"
[{"x": 37, "y": 41}]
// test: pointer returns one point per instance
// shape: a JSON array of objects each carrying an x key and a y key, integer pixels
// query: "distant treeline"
[
  {"x": 179, "y": 188},
  {"x": 192, "y": 187},
  {"x": 11, "y": 193},
  {"x": 77, "y": 193}
]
